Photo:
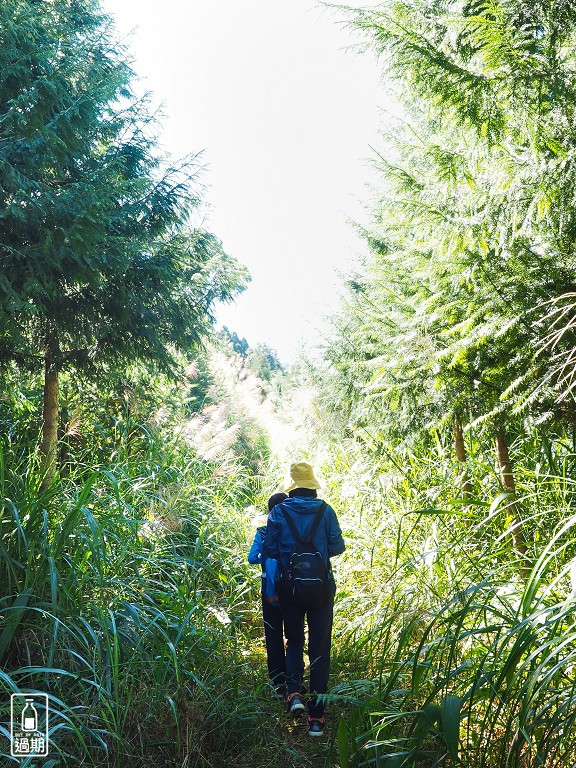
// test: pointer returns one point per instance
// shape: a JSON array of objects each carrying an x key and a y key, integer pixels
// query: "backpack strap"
[
  {"x": 291, "y": 525},
  {"x": 315, "y": 524}
]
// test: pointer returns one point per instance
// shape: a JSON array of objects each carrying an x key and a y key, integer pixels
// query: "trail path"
[
  {"x": 241, "y": 400},
  {"x": 284, "y": 739}
]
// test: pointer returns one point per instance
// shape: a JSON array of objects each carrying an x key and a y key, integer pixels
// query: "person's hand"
[{"x": 272, "y": 600}]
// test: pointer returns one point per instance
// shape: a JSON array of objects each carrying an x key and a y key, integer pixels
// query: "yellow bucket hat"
[{"x": 301, "y": 476}]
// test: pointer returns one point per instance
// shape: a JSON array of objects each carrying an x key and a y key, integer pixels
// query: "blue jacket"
[
  {"x": 270, "y": 565},
  {"x": 279, "y": 542}
]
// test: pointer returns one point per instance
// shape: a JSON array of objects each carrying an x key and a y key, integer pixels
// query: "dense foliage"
[
  {"x": 101, "y": 265},
  {"x": 124, "y": 584},
  {"x": 96, "y": 254},
  {"x": 444, "y": 350},
  {"x": 442, "y": 421},
  {"x": 473, "y": 235}
]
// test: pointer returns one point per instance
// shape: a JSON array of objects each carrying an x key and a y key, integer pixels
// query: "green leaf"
[
  {"x": 15, "y": 614},
  {"x": 342, "y": 740},
  {"x": 450, "y": 723}
]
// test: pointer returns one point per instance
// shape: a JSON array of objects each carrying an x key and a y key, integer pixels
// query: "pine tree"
[
  {"x": 478, "y": 188},
  {"x": 99, "y": 263},
  {"x": 473, "y": 234}
]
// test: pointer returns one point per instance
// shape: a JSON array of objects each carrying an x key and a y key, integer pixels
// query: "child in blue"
[{"x": 273, "y": 624}]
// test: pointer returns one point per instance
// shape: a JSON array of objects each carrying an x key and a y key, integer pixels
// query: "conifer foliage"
[
  {"x": 99, "y": 262},
  {"x": 474, "y": 232}
]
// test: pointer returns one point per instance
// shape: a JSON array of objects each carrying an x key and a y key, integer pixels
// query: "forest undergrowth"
[
  {"x": 450, "y": 648},
  {"x": 127, "y": 596},
  {"x": 129, "y": 601}
]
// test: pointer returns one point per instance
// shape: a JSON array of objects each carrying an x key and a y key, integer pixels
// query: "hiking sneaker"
[
  {"x": 295, "y": 705},
  {"x": 316, "y": 726}
]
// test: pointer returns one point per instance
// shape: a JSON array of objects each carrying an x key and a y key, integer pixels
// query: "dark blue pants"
[
  {"x": 319, "y": 622},
  {"x": 274, "y": 634}
]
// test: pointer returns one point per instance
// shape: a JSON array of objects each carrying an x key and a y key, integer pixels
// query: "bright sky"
[{"x": 285, "y": 114}]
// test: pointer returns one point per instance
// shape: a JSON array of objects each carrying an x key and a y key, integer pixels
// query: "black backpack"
[{"x": 306, "y": 580}]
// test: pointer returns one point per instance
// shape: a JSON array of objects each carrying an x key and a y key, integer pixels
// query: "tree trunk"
[
  {"x": 518, "y": 538},
  {"x": 49, "y": 443},
  {"x": 63, "y": 446},
  {"x": 460, "y": 449}
]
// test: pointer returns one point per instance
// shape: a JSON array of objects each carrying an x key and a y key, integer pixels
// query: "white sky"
[{"x": 285, "y": 114}]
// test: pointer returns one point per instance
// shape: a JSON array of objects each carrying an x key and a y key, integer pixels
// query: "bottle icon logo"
[
  {"x": 29, "y": 719},
  {"x": 29, "y": 725}
]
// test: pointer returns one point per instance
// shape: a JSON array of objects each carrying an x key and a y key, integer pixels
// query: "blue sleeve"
[
  {"x": 255, "y": 554},
  {"x": 270, "y": 583},
  {"x": 335, "y": 541},
  {"x": 272, "y": 536}
]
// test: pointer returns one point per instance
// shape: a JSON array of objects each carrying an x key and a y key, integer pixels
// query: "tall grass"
[
  {"x": 127, "y": 599},
  {"x": 446, "y": 654},
  {"x": 124, "y": 596}
]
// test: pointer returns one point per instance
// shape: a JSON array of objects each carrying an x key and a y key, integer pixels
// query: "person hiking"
[
  {"x": 303, "y": 533},
  {"x": 271, "y": 614}
]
